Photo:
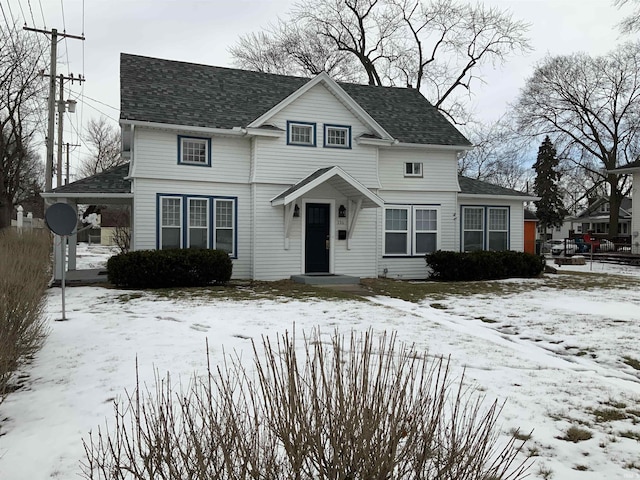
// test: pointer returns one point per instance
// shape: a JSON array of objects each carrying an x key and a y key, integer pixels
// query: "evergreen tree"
[{"x": 550, "y": 209}]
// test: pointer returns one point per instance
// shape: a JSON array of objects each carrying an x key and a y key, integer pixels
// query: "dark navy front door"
[{"x": 316, "y": 257}]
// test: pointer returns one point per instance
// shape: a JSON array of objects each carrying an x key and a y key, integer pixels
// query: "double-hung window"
[
  {"x": 425, "y": 230},
  {"x": 198, "y": 223},
  {"x": 337, "y": 136},
  {"x": 473, "y": 229},
  {"x": 485, "y": 228},
  {"x": 190, "y": 221},
  {"x": 301, "y": 133},
  {"x": 410, "y": 230},
  {"x": 225, "y": 225},
  {"x": 498, "y": 229},
  {"x": 194, "y": 151},
  {"x": 170, "y": 222},
  {"x": 396, "y": 230}
]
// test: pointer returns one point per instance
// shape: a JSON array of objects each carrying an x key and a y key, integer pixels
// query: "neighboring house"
[
  {"x": 595, "y": 218},
  {"x": 633, "y": 168},
  {"x": 299, "y": 176}
]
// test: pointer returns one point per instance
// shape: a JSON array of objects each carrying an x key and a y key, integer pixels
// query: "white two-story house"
[{"x": 297, "y": 175}]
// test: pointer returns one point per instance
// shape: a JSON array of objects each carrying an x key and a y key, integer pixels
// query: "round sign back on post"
[{"x": 61, "y": 218}]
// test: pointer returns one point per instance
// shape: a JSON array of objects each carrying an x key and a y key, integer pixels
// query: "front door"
[{"x": 317, "y": 240}]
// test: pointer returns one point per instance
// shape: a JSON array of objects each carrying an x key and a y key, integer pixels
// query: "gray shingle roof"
[
  {"x": 304, "y": 182},
  {"x": 165, "y": 91},
  {"x": 109, "y": 181},
  {"x": 471, "y": 186}
]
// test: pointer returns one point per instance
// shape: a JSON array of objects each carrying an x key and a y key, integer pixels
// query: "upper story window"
[
  {"x": 194, "y": 151},
  {"x": 413, "y": 169},
  {"x": 337, "y": 136},
  {"x": 301, "y": 133}
]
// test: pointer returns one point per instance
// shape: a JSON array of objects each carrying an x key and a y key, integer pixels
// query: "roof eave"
[
  {"x": 85, "y": 195},
  {"x": 235, "y": 131},
  {"x": 523, "y": 198},
  {"x": 431, "y": 146}
]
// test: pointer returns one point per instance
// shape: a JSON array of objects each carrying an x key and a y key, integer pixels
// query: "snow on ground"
[{"x": 554, "y": 354}]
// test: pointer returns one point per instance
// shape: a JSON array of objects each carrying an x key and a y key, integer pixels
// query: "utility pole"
[
  {"x": 48, "y": 171},
  {"x": 63, "y": 106}
]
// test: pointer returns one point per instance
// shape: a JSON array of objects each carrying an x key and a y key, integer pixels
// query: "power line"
[
  {"x": 101, "y": 103},
  {"x": 64, "y": 29},
  {"x": 22, "y": 11},
  {"x": 100, "y": 111},
  {"x": 31, "y": 12},
  {"x": 44, "y": 22}
]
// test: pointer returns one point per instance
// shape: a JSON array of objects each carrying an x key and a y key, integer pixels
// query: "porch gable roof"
[{"x": 338, "y": 179}]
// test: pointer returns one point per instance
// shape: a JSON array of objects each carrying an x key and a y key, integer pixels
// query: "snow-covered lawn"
[{"x": 553, "y": 349}]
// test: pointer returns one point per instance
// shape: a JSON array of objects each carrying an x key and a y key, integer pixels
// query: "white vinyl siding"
[
  {"x": 156, "y": 152},
  {"x": 282, "y": 164},
  {"x": 438, "y": 173}
]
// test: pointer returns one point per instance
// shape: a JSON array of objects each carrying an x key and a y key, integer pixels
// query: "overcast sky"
[{"x": 202, "y": 31}]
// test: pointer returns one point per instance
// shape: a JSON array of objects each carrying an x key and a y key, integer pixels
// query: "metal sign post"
[{"x": 61, "y": 218}]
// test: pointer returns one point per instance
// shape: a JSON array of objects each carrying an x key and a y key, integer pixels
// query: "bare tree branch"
[
  {"x": 103, "y": 139},
  {"x": 592, "y": 107},
  {"x": 436, "y": 45}
]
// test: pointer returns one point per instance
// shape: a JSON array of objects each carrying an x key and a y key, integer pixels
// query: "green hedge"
[
  {"x": 169, "y": 268},
  {"x": 483, "y": 265}
]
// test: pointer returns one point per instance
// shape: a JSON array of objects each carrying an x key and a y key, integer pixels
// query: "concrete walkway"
[{"x": 76, "y": 278}]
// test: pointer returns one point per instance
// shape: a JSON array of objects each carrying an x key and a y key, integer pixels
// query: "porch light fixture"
[
  {"x": 342, "y": 211},
  {"x": 296, "y": 211}
]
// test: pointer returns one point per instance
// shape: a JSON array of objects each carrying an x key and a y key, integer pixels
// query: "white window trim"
[
  {"x": 483, "y": 229},
  {"x": 232, "y": 253},
  {"x": 407, "y": 231},
  {"x": 413, "y": 166},
  {"x": 342, "y": 128},
  {"x": 180, "y": 222},
  {"x": 207, "y": 151},
  {"x": 312, "y": 135},
  {"x": 415, "y": 228},
  {"x": 188, "y": 220},
  {"x": 490, "y": 230}
]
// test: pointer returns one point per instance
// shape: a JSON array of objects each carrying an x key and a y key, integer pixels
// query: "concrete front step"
[{"x": 325, "y": 279}]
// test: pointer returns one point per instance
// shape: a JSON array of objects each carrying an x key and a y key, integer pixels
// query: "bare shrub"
[
  {"x": 24, "y": 274},
  {"x": 350, "y": 409}
]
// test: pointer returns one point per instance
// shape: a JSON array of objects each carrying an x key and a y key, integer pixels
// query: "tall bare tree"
[
  {"x": 591, "y": 105},
  {"x": 437, "y": 46},
  {"x": 21, "y": 109},
  {"x": 103, "y": 140},
  {"x": 631, "y": 23},
  {"x": 501, "y": 156}
]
